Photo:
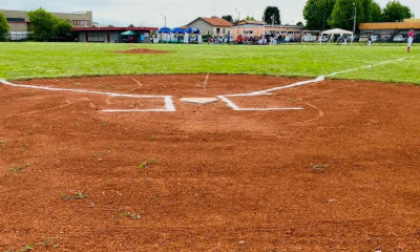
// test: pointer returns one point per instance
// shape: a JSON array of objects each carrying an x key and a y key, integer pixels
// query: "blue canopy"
[
  {"x": 193, "y": 30},
  {"x": 164, "y": 30},
  {"x": 178, "y": 30}
]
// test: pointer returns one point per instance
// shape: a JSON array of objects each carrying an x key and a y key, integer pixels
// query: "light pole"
[
  {"x": 354, "y": 24},
  {"x": 164, "y": 18}
]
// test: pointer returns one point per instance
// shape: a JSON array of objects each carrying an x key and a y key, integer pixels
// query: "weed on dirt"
[
  {"x": 129, "y": 215},
  {"x": 147, "y": 163},
  {"x": 19, "y": 168},
  {"x": 74, "y": 196},
  {"x": 319, "y": 168},
  {"x": 3, "y": 143},
  {"x": 45, "y": 243}
]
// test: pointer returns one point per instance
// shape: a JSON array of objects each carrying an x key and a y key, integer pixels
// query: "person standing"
[{"x": 410, "y": 39}]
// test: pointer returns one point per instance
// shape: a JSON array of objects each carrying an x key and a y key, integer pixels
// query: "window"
[
  {"x": 84, "y": 23},
  {"x": 15, "y": 19},
  {"x": 217, "y": 30}
]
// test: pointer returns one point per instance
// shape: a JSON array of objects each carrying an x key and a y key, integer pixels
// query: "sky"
[{"x": 176, "y": 12}]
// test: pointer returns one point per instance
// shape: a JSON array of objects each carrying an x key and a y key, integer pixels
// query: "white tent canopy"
[
  {"x": 341, "y": 32},
  {"x": 336, "y": 31}
]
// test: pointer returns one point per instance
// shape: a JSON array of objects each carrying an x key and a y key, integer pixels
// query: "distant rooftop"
[
  {"x": 214, "y": 21},
  {"x": 255, "y": 22},
  {"x": 218, "y": 22}
]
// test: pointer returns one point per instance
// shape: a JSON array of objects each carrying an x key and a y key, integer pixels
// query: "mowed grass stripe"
[{"x": 48, "y": 60}]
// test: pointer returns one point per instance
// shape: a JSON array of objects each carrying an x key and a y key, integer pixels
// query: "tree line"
[{"x": 326, "y": 14}]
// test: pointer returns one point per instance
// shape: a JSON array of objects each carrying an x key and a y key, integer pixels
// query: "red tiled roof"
[
  {"x": 218, "y": 22},
  {"x": 111, "y": 29}
]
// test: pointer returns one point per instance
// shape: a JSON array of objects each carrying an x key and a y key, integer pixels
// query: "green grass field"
[{"x": 45, "y": 60}]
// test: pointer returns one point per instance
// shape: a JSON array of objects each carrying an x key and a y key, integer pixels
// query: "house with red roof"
[{"x": 214, "y": 26}]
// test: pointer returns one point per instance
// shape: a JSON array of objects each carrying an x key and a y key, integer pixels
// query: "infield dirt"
[{"x": 340, "y": 175}]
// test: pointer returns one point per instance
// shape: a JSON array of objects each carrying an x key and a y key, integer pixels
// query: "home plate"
[{"x": 199, "y": 100}]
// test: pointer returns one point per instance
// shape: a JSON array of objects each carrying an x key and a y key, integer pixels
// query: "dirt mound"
[{"x": 143, "y": 51}]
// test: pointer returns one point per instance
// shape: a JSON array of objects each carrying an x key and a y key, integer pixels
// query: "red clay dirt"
[
  {"x": 143, "y": 51},
  {"x": 340, "y": 175}
]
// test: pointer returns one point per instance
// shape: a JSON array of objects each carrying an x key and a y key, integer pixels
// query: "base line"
[{"x": 321, "y": 78}]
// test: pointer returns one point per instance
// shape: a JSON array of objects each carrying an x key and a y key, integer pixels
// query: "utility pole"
[
  {"x": 325, "y": 14},
  {"x": 354, "y": 24},
  {"x": 164, "y": 18},
  {"x": 272, "y": 24}
]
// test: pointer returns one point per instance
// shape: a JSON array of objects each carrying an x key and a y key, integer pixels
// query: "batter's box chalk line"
[{"x": 169, "y": 104}]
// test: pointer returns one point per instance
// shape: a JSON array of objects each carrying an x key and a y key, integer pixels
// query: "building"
[
  {"x": 19, "y": 21},
  {"x": 254, "y": 28},
  {"x": 248, "y": 29},
  {"x": 293, "y": 32},
  {"x": 387, "y": 31},
  {"x": 215, "y": 27},
  {"x": 114, "y": 34}
]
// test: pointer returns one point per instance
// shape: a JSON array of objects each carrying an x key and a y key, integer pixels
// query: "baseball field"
[{"x": 303, "y": 147}]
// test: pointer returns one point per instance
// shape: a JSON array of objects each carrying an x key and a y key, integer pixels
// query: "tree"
[
  {"x": 376, "y": 12},
  {"x": 42, "y": 24},
  {"x": 62, "y": 30},
  {"x": 300, "y": 23},
  {"x": 343, "y": 14},
  {"x": 272, "y": 13},
  {"x": 317, "y": 14},
  {"x": 344, "y": 11},
  {"x": 394, "y": 11},
  {"x": 228, "y": 18},
  {"x": 249, "y": 18},
  {"x": 4, "y": 27}
]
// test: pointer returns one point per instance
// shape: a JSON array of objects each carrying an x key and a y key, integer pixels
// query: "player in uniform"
[{"x": 410, "y": 39}]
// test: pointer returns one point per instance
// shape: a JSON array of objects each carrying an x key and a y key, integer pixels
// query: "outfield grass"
[{"x": 45, "y": 60}]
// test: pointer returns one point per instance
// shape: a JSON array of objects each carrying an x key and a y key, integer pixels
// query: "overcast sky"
[{"x": 177, "y": 12}]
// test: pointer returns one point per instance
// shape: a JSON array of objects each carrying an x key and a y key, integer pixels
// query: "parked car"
[
  {"x": 290, "y": 39},
  {"x": 353, "y": 38},
  {"x": 309, "y": 38},
  {"x": 324, "y": 39},
  {"x": 365, "y": 38},
  {"x": 399, "y": 38},
  {"x": 386, "y": 38}
]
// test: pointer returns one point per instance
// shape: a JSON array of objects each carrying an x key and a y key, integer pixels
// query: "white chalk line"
[
  {"x": 169, "y": 105},
  {"x": 367, "y": 67},
  {"x": 235, "y": 107},
  {"x": 321, "y": 78}
]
